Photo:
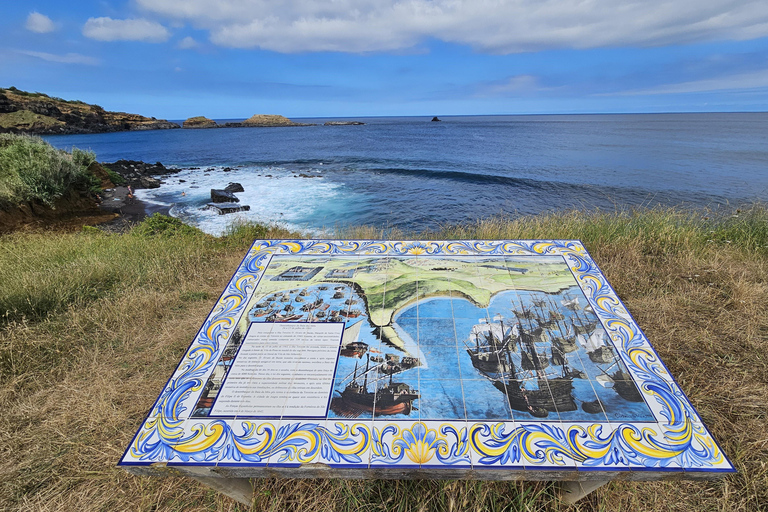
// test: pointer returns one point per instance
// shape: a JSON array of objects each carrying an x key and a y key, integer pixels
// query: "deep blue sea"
[{"x": 413, "y": 173}]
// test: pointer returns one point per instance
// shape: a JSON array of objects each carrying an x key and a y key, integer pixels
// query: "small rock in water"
[
  {"x": 234, "y": 187},
  {"x": 224, "y": 208},
  {"x": 222, "y": 196}
]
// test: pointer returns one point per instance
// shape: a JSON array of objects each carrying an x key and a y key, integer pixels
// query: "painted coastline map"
[{"x": 496, "y": 354}]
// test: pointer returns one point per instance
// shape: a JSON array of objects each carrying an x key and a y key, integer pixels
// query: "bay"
[{"x": 412, "y": 173}]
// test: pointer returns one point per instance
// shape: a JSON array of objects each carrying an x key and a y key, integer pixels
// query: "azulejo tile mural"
[{"x": 510, "y": 354}]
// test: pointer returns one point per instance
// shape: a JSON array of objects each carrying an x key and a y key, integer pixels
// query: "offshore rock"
[
  {"x": 222, "y": 196},
  {"x": 265, "y": 121},
  {"x": 199, "y": 122},
  {"x": 224, "y": 208},
  {"x": 435, "y": 119},
  {"x": 234, "y": 187}
]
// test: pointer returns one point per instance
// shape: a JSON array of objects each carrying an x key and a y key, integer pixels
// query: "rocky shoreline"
[
  {"x": 38, "y": 113},
  {"x": 139, "y": 174},
  {"x": 118, "y": 199}
]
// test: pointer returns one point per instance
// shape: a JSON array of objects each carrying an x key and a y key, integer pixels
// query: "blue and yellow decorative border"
[{"x": 678, "y": 441}]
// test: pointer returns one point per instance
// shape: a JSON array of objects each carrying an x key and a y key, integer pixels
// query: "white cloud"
[
  {"x": 68, "y": 58},
  {"x": 739, "y": 81},
  {"x": 187, "y": 43},
  {"x": 39, "y": 23},
  {"x": 497, "y": 26},
  {"x": 107, "y": 29}
]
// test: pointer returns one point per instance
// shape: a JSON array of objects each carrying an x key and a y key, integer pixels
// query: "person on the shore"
[{"x": 130, "y": 192}]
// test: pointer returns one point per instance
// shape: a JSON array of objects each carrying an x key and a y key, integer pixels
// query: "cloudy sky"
[{"x": 301, "y": 58}]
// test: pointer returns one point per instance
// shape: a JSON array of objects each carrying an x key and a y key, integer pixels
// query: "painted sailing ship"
[
  {"x": 393, "y": 398},
  {"x": 529, "y": 386},
  {"x": 491, "y": 340},
  {"x": 509, "y": 357},
  {"x": 350, "y": 346},
  {"x": 597, "y": 349}
]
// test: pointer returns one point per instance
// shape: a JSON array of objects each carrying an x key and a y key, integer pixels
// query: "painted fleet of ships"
[{"x": 531, "y": 356}]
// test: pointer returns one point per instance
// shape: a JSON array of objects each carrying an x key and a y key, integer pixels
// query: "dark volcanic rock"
[
  {"x": 435, "y": 119},
  {"x": 222, "y": 196},
  {"x": 139, "y": 174},
  {"x": 234, "y": 187},
  {"x": 224, "y": 208}
]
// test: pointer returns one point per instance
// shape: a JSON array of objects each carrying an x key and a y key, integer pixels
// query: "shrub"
[
  {"x": 33, "y": 170},
  {"x": 115, "y": 178},
  {"x": 159, "y": 225},
  {"x": 83, "y": 158}
]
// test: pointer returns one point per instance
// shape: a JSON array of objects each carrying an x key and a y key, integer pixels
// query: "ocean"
[{"x": 411, "y": 173}]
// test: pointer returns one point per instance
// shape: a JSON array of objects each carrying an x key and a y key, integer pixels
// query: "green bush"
[
  {"x": 33, "y": 170},
  {"x": 114, "y": 177},
  {"x": 83, "y": 158},
  {"x": 159, "y": 225}
]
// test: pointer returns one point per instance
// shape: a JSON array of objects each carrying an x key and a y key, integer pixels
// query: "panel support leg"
[
  {"x": 571, "y": 492},
  {"x": 239, "y": 489}
]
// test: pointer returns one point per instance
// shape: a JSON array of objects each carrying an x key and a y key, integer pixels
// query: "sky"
[{"x": 229, "y": 59}]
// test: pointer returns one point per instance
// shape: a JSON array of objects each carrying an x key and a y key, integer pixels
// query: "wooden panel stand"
[{"x": 571, "y": 492}]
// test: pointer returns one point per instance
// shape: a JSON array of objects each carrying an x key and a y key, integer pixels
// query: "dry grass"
[{"x": 79, "y": 371}]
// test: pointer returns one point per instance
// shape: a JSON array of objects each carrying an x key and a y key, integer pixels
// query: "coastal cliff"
[{"x": 38, "y": 113}]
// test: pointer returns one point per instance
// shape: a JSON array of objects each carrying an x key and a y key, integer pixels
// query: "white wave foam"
[{"x": 275, "y": 195}]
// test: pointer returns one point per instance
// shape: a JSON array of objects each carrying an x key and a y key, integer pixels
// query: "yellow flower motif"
[{"x": 418, "y": 443}]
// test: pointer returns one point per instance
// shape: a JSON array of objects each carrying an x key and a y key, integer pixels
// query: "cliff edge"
[{"x": 38, "y": 113}]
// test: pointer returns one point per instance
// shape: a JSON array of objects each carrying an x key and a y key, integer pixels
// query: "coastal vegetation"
[
  {"x": 33, "y": 170},
  {"x": 35, "y": 112},
  {"x": 93, "y": 324}
]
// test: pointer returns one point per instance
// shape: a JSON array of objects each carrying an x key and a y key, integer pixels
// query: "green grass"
[
  {"x": 33, "y": 170},
  {"x": 95, "y": 323},
  {"x": 26, "y": 118}
]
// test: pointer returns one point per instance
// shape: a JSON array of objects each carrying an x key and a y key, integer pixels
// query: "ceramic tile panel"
[{"x": 397, "y": 356}]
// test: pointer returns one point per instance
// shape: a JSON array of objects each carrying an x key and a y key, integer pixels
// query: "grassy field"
[{"x": 93, "y": 324}]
